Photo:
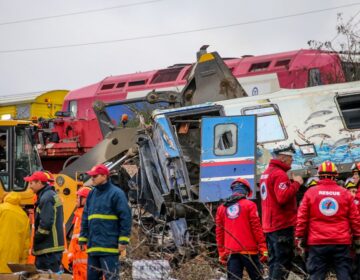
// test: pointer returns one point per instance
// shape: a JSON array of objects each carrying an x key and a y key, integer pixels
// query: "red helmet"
[
  {"x": 355, "y": 167},
  {"x": 83, "y": 192},
  {"x": 327, "y": 168},
  {"x": 124, "y": 117},
  {"x": 244, "y": 182},
  {"x": 49, "y": 175}
]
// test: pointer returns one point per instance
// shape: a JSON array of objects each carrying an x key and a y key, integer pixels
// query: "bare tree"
[{"x": 347, "y": 45}]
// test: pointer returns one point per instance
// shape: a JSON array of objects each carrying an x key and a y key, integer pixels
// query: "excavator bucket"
[{"x": 210, "y": 81}]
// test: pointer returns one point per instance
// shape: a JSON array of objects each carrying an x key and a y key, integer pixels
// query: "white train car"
[{"x": 322, "y": 122}]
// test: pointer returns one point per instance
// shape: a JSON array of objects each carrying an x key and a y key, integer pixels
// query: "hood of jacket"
[{"x": 13, "y": 198}]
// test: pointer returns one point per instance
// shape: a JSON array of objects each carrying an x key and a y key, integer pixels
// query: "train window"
[
  {"x": 270, "y": 127},
  {"x": 121, "y": 85},
  {"x": 166, "y": 75},
  {"x": 137, "y": 83},
  {"x": 350, "y": 109},
  {"x": 283, "y": 62},
  {"x": 73, "y": 108},
  {"x": 261, "y": 66},
  {"x": 107, "y": 86},
  {"x": 314, "y": 77},
  {"x": 225, "y": 139}
]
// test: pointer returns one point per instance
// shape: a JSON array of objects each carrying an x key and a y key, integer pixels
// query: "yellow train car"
[{"x": 32, "y": 106}]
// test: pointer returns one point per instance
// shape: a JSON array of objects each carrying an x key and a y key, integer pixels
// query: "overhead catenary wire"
[
  {"x": 80, "y": 12},
  {"x": 143, "y": 37}
]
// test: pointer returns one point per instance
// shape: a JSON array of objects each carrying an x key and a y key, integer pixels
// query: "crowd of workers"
[
  {"x": 324, "y": 231},
  {"x": 101, "y": 232}
]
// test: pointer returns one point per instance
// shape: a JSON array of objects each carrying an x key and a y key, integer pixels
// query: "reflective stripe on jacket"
[
  {"x": 106, "y": 220},
  {"x": 76, "y": 256},
  {"x": 49, "y": 217}
]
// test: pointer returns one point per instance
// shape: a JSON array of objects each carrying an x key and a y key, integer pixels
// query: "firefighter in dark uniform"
[
  {"x": 48, "y": 243},
  {"x": 105, "y": 225}
]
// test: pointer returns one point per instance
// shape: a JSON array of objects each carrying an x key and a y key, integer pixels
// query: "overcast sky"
[{"x": 246, "y": 28}]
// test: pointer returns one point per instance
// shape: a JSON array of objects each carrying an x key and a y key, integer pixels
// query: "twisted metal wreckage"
[{"x": 187, "y": 147}]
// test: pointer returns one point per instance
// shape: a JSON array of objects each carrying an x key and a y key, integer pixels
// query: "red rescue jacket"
[
  {"x": 238, "y": 229},
  {"x": 357, "y": 199},
  {"x": 278, "y": 197},
  {"x": 327, "y": 215}
]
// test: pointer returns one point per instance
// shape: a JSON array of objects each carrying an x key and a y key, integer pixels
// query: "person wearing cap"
[
  {"x": 105, "y": 225},
  {"x": 279, "y": 208},
  {"x": 50, "y": 176},
  {"x": 327, "y": 223},
  {"x": 14, "y": 232},
  {"x": 48, "y": 242},
  {"x": 76, "y": 256},
  {"x": 355, "y": 169},
  {"x": 239, "y": 235},
  {"x": 350, "y": 185}
]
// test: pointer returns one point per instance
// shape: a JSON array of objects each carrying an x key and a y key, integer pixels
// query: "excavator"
[
  {"x": 167, "y": 187},
  {"x": 19, "y": 159},
  {"x": 176, "y": 154}
]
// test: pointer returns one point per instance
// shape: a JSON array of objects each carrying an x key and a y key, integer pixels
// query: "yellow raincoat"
[{"x": 14, "y": 232}]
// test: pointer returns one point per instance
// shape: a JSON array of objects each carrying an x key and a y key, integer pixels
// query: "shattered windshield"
[{"x": 131, "y": 114}]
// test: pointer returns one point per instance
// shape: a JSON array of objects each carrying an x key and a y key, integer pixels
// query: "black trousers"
[
  {"x": 281, "y": 252},
  {"x": 324, "y": 257},
  {"x": 50, "y": 261},
  {"x": 238, "y": 262}
]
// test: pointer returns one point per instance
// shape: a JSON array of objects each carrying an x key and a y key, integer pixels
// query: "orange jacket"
[{"x": 77, "y": 257}]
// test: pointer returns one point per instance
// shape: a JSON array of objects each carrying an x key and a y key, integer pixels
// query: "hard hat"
[
  {"x": 124, "y": 117},
  {"x": 312, "y": 181},
  {"x": 83, "y": 192},
  {"x": 49, "y": 175},
  {"x": 285, "y": 150},
  {"x": 243, "y": 182},
  {"x": 355, "y": 167},
  {"x": 349, "y": 183},
  {"x": 327, "y": 168}
]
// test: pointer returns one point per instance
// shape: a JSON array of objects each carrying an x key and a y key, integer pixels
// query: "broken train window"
[
  {"x": 225, "y": 143},
  {"x": 270, "y": 126}
]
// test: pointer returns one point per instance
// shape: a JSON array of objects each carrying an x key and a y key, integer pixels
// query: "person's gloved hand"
[
  {"x": 300, "y": 246},
  {"x": 264, "y": 256},
  {"x": 223, "y": 259}
]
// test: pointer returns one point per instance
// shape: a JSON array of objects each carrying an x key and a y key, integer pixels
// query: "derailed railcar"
[
  {"x": 186, "y": 164},
  {"x": 189, "y": 155},
  {"x": 322, "y": 122}
]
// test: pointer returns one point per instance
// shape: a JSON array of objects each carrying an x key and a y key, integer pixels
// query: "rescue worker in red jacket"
[
  {"x": 279, "y": 209},
  {"x": 76, "y": 256},
  {"x": 239, "y": 236},
  {"x": 356, "y": 179},
  {"x": 327, "y": 221}
]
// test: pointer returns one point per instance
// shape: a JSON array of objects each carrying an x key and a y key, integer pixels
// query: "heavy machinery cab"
[{"x": 18, "y": 158}]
